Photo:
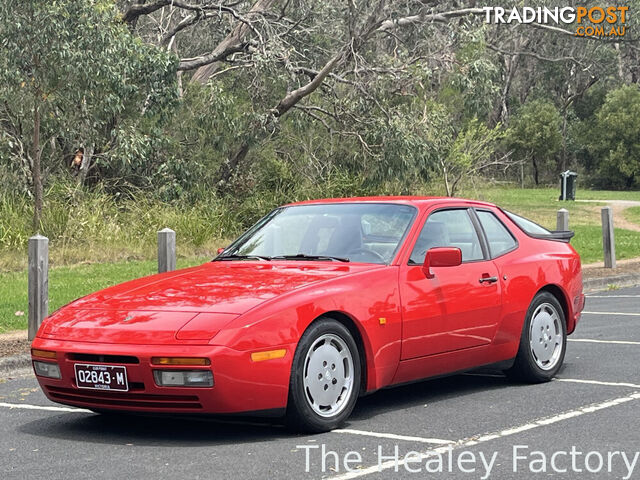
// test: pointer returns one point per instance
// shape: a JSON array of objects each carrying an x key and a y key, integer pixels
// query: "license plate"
[{"x": 102, "y": 377}]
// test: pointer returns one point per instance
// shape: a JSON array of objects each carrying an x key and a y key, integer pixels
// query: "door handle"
[{"x": 488, "y": 279}]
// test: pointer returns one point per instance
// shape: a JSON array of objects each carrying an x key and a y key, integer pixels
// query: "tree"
[
  {"x": 613, "y": 142},
  {"x": 71, "y": 77},
  {"x": 535, "y": 135},
  {"x": 474, "y": 150}
]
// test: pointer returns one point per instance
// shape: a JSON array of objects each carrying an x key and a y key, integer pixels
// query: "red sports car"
[{"x": 318, "y": 303}]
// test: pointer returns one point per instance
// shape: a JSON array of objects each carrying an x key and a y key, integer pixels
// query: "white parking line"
[
  {"x": 615, "y": 342},
  {"x": 392, "y": 436},
  {"x": 613, "y": 313},
  {"x": 597, "y": 382},
  {"x": 488, "y": 437},
  {"x": 43, "y": 407}
]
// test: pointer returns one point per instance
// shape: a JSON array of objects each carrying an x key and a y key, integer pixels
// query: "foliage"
[
  {"x": 72, "y": 76},
  {"x": 472, "y": 152},
  {"x": 612, "y": 140},
  {"x": 535, "y": 135}
]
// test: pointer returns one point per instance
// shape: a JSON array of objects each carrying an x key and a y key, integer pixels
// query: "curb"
[
  {"x": 15, "y": 362},
  {"x": 594, "y": 284}
]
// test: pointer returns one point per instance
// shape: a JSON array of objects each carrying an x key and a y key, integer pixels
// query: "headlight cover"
[{"x": 46, "y": 369}]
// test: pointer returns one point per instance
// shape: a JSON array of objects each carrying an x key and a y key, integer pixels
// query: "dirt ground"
[
  {"x": 14, "y": 343},
  {"x": 623, "y": 267}
]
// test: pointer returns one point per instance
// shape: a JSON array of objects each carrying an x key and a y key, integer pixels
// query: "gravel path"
[{"x": 618, "y": 206}]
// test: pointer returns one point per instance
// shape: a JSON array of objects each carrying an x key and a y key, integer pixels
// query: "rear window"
[{"x": 528, "y": 226}]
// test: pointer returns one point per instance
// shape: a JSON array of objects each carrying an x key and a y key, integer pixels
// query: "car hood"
[{"x": 187, "y": 305}]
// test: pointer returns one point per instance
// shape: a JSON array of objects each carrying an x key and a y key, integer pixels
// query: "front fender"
[{"x": 369, "y": 299}]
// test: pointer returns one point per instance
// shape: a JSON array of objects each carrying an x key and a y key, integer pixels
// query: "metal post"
[
  {"x": 562, "y": 221},
  {"x": 166, "y": 250},
  {"x": 38, "y": 282},
  {"x": 608, "y": 240}
]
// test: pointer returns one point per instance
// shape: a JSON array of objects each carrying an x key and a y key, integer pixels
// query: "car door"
[{"x": 460, "y": 306}]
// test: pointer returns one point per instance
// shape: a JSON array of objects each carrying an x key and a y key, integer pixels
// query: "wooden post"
[
  {"x": 608, "y": 240},
  {"x": 38, "y": 282},
  {"x": 562, "y": 221},
  {"x": 166, "y": 250}
]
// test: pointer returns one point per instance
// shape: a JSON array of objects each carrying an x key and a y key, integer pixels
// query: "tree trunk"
[
  {"x": 36, "y": 170},
  {"x": 536, "y": 174}
]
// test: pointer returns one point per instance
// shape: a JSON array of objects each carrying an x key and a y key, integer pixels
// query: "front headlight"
[
  {"x": 183, "y": 378},
  {"x": 45, "y": 369}
]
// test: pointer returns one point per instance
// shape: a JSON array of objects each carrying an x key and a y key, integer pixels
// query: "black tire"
[
  {"x": 301, "y": 416},
  {"x": 526, "y": 367}
]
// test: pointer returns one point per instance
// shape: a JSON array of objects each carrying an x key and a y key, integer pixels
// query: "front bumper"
[{"x": 240, "y": 385}]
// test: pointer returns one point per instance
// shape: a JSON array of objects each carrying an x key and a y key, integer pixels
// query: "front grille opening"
[
  {"x": 90, "y": 357},
  {"x": 123, "y": 399}
]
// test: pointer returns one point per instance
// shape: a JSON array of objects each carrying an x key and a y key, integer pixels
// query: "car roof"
[{"x": 403, "y": 200}]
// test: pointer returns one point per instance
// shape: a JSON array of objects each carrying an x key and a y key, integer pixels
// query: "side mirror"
[
  {"x": 441, "y": 257},
  {"x": 220, "y": 250}
]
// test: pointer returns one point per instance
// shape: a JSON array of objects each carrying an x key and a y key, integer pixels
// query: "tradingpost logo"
[{"x": 599, "y": 21}]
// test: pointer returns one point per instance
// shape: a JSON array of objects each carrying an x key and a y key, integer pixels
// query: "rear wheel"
[
  {"x": 325, "y": 378},
  {"x": 543, "y": 342}
]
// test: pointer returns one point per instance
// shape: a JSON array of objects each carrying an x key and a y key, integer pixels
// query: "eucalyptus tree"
[{"x": 73, "y": 78}]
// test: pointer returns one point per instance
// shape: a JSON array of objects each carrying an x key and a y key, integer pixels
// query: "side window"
[
  {"x": 499, "y": 238},
  {"x": 448, "y": 228}
]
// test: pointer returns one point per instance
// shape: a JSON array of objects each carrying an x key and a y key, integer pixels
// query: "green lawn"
[
  {"x": 542, "y": 204},
  {"x": 67, "y": 284},
  {"x": 633, "y": 214},
  {"x": 588, "y": 243}
]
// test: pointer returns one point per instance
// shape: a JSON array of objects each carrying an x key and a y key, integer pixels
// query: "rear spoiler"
[{"x": 557, "y": 235}]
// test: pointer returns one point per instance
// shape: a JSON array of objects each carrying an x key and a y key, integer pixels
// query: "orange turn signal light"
[
  {"x": 42, "y": 353},
  {"x": 268, "y": 355},
  {"x": 180, "y": 361}
]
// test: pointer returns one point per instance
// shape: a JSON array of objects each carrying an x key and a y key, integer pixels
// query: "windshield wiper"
[
  {"x": 244, "y": 257},
  {"x": 304, "y": 256}
]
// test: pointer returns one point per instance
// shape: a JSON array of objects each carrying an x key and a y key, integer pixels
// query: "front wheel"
[
  {"x": 543, "y": 342},
  {"x": 325, "y": 378}
]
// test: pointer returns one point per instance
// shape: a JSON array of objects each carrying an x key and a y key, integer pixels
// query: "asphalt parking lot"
[{"x": 584, "y": 424}]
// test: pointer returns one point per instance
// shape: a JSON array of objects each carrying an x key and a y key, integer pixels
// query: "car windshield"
[{"x": 345, "y": 232}]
